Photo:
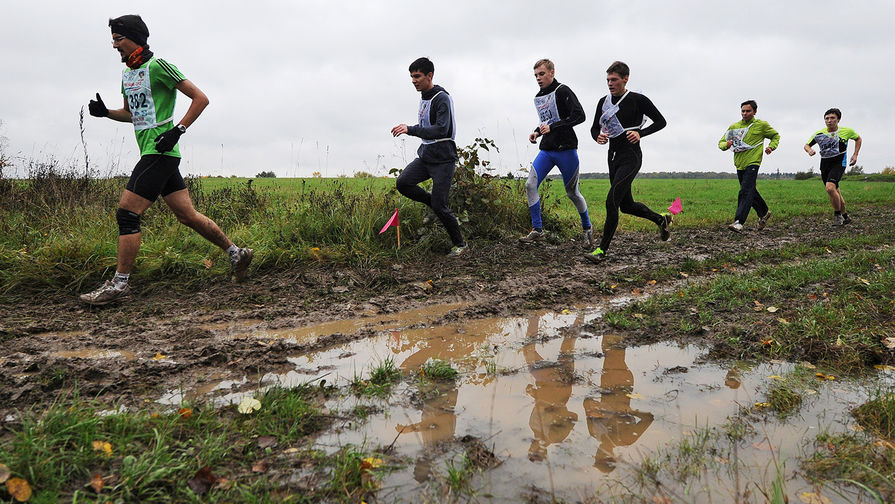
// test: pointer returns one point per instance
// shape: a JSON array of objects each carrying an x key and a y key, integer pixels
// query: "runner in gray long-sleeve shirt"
[{"x": 437, "y": 154}]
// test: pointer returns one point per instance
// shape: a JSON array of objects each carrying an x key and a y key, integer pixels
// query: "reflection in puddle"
[
  {"x": 95, "y": 353},
  {"x": 561, "y": 407}
]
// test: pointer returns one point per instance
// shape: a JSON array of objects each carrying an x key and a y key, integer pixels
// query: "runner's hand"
[
  {"x": 97, "y": 108},
  {"x": 633, "y": 136},
  {"x": 768, "y": 150},
  {"x": 602, "y": 138},
  {"x": 853, "y": 161},
  {"x": 400, "y": 129},
  {"x": 167, "y": 140},
  {"x": 729, "y": 143},
  {"x": 545, "y": 128},
  {"x": 533, "y": 137},
  {"x": 811, "y": 152}
]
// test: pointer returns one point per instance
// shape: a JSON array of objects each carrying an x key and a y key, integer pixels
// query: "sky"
[{"x": 305, "y": 87}]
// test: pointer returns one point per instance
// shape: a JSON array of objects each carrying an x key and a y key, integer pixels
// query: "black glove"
[
  {"x": 97, "y": 107},
  {"x": 167, "y": 140}
]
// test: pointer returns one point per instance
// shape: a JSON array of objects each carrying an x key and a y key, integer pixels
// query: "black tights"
[{"x": 623, "y": 167}]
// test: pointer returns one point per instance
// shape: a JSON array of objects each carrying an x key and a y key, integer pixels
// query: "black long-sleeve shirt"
[
  {"x": 630, "y": 115},
  {"x": 571, "y": 113},
  {"x": 442, "y": 126}
]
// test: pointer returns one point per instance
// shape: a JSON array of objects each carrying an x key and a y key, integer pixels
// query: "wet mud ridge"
[{"x": 160, "y": 340}]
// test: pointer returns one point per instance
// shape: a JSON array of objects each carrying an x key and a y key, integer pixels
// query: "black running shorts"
[{"x": 156, "y": 175}]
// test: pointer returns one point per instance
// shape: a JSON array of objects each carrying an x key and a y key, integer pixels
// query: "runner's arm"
[
  {"x": 121, "y": 115},
  {"x": 653, "y": 113},
  {"x": 773, "y": 135},
  {"x": 570, "y": 102},
  {"x": 854, "y": 157},
  {"x": 197, "y": 105},
  {"x": 809, "y": 150},
  {"x": 596, "y": 129}
]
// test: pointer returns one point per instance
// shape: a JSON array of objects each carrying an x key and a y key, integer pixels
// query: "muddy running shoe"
[
  {"x": 106, "y": 293},
  {"x": 838, "y": 220},
  {"x": 763, "y": 221},
  {"x": 588, "y": 235},
  {"x": 597, "y": 256},
  {"x": 665, "y": 226},
  {"x": 846, "y": 219},
  {"x": 736, "y": 227},
  {"x": 535, "y": 235},
  {"x": 239, "y": 263},
  {"x": 458, "y": 250}
]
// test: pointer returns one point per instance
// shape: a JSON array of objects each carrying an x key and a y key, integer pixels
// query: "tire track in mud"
[{"x": 491, "y": 280}]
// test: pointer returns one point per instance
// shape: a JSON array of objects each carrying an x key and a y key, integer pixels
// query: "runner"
[
  {"x": 150, "y": 86},
  {"x": 619, "y": 121},
  {"x": 833, "y": 142},
  {"x": 559, "y": 111},
  {"x": 437, "y": 154},
  {"x": 746, "y": 138}
]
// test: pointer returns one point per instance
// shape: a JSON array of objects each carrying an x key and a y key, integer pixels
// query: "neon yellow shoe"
[{"x": 597, "y": 256}]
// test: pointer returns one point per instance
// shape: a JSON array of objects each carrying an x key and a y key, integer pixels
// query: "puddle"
[
  {"x": 95, "y": 353},
  {"x": 562, "y": 408},
  {"x": 309, "y": 334}
]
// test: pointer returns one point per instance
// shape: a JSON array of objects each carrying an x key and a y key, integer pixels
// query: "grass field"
[{"x": 61, "y": 233}]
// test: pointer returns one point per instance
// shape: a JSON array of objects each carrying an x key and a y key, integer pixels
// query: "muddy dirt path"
[{"x": 161, "y": 340}]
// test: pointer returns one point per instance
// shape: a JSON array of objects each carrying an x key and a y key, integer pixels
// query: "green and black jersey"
[
  {"x": 833, "y": 143},
  {"x": 150, "y": 92}
]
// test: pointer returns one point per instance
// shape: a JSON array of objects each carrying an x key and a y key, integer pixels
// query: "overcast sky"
[{"x": 301, "y": 87}]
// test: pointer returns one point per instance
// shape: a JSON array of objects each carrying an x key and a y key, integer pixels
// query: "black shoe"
[{"x": 664, "y": 227}]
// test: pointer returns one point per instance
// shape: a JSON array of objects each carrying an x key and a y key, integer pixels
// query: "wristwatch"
[{"x": 182, "y": 128}]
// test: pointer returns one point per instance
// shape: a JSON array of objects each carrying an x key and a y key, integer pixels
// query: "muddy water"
[{"x": 565, "y": 410}]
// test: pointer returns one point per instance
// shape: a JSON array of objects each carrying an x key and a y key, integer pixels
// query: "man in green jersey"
[
  {"x": 746, "y": 139},
  {"x": 832, "y": 142},
  {"x": 150, "y": 87}
]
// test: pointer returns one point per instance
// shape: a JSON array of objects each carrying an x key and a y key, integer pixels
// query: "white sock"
[
  {"x": 232, "y": 250},
  {"x": 120, "y": 279}
]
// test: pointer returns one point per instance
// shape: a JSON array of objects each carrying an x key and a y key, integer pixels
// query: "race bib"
[
  {"x": 609, "y": 123},
  {"x": 828, "y": 144},
  {"x": 425, "y": 121},
  {"x": 138, "y": 91},
  {"x": 737, "y": 135},
  {"x": 548, "y": 113}
]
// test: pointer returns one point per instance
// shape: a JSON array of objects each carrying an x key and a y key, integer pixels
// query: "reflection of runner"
[
  {"x": 619, "y": 119},
  {"x": 558, "y": 111},
  {"x": 437, "y": 154},
  {"x": 550, "y": 421},
  {"x": 746, "y": 139},
  {"x": 150, "y": 87},
  {"x": 611, "y": 420},
  {"x": 833, "y": 143}
]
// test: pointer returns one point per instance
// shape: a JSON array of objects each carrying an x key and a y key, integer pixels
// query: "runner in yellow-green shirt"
[
  {"x": 746, "y": 139},
  {"x": 833, "y": 142}
]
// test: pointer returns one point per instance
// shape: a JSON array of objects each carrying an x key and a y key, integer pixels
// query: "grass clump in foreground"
[
  {"x": 865, "y": 459},
  {"x": 437, "y": 369},
  {"x": 76, "y": 451},
  {"x": 379, "y": 384}
]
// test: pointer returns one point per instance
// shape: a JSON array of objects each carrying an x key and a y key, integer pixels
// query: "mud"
[{"x": 164, "y": 339}]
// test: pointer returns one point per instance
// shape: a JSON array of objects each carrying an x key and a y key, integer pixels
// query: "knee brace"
[{"x": 128, "y": 222}]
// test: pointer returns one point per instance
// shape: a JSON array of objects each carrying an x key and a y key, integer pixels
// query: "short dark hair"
[
  {"x": 619, "y": 68},
  {"x": 751, "y": 103},
  {"x": 423, "y": 65},
  {"x": 834, "y": 110}
]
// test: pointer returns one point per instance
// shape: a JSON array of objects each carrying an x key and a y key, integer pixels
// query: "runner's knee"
[
  {"x": 831, "y": 187},
  {"x": 128, "y": 222}
]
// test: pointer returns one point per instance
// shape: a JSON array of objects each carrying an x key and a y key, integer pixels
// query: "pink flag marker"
[
  {"x": 676, "y": 207},
  {"x": 394, "y": 221}
]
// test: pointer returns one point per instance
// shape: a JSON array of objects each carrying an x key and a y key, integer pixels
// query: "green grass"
[
  {"x": 382, "y": 377},
  {"x": 437, "y": 369},
  {"x": 151, "y": 457}
]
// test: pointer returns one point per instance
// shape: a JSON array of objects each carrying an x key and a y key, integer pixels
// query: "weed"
[
  {"x": 437, "y": 369},
  {"x": 878, "y": 414}
]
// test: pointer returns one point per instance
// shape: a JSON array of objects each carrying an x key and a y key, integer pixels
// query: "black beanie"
[{"x": 132, "y": 27}]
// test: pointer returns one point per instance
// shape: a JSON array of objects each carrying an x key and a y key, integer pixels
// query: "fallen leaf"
[
  {"x": 776, "y": 377},
  {"x": 812, "y": 296},
  {"x": 566, "y": 312},
  {"x": 889, "y": 343},
  {"x": 290, "y": 450},
  {"x": 782, "y": 321},
  {"x": 652, "y": 282},
  {"x": 856, "y": 428},
  {"x": 635, "y": 291},
  {"x": 634, "y": 395},
  {"x": 97, "y": 483},
  {"x": 762, "y": 405},
  {"x": 248, "y": 405},
  {"x": 19, "y": 489},
  {"x": 185, "y": 413},
  {"x": 767, "y": 341},
  {"x": 764, "y": 446},
  {"x": 370, "y": 463},
  {"x": 684, "y": 275},
  {"x": 828, "y": 250},
  {"x": 202, "y": 482},
  {"x": 103, "y": 446},
  {"x": 864, "y": 281},
  {"x": 881, "y": 367},
  {"x": 259, "y": 467},
  {"x": 772, "y": 309},
  {"x": 159, "y": 356},
  {"x": 613, "y": 286},
  {"x": 638, "y": 316},
  {"x": 660, "y": 499},
  {"x": 810, "y": 392},
  {"x": 813, "y": 498},
  {"x": 4, "y": 473},
  {"x": 824, "y": 377},
  {"x": 208, "y": 263},
  {"x": 266, "y": 442},
  {"x": 807, "y": 365}
]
